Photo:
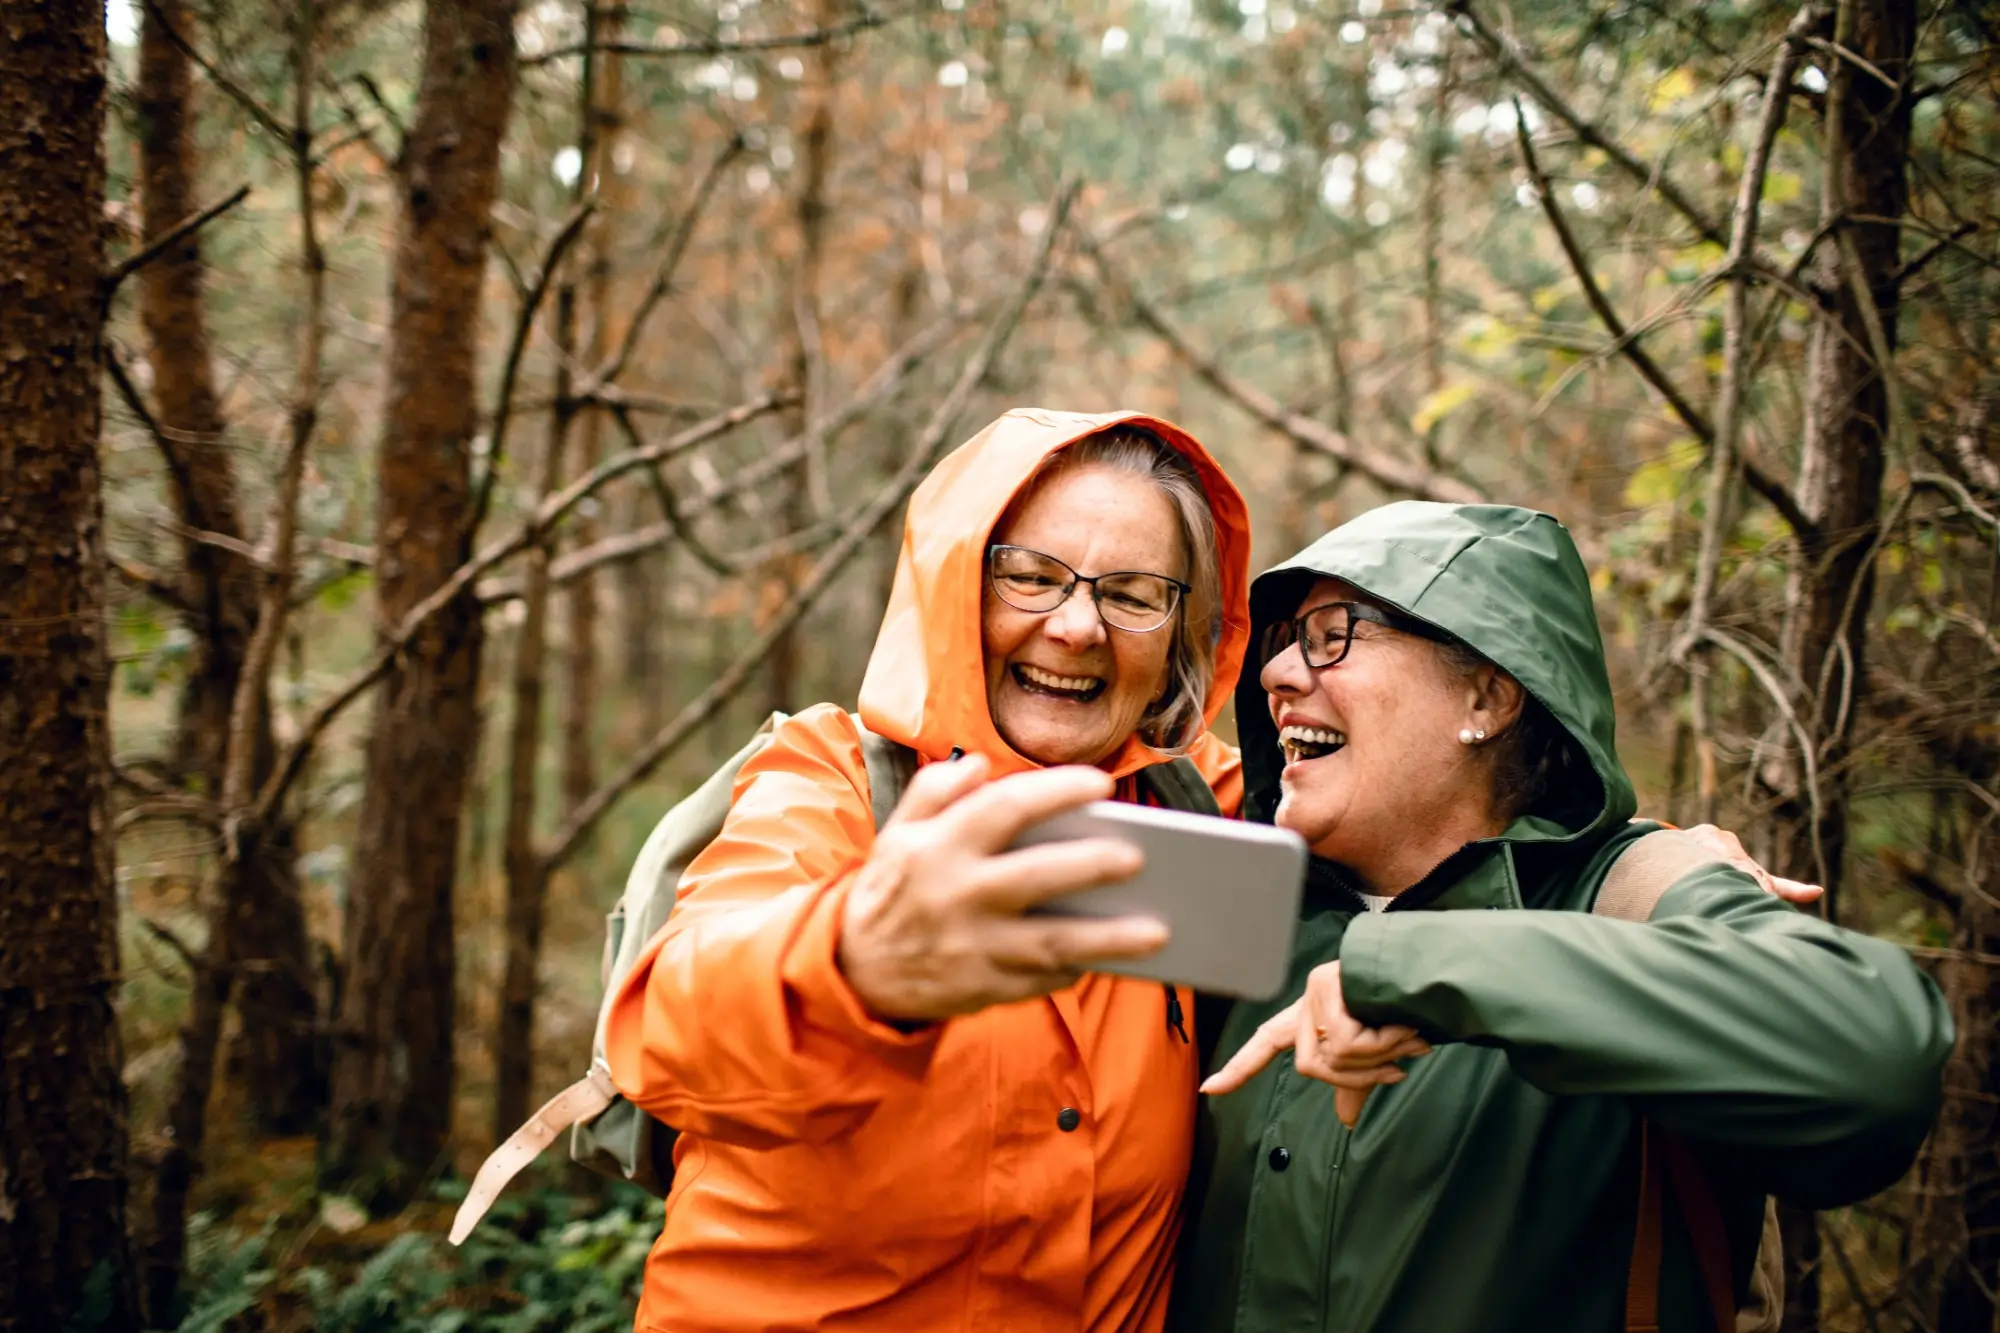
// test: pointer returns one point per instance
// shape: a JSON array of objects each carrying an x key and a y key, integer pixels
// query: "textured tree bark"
[
  {"x": 802, "y": 341},
  {"x": 527, "y": 878},
  {"x": 393, "y": 1071},
  {"x": 63, "y": 1139},
  {"x": 1865, "y": 147},
  {"x": 581, "y": 601},
  {"x": 274, "y": 1057}
]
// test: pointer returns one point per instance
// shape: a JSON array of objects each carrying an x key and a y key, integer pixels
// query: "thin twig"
[
  {"x": 923, "y": 454},
  {"x": 1856, "y": 59},
  {"x": 1723, "y": 461},
  {"x": 879, "y": 386},
  {"x": 1916, "y": 263},
  {"x": 713, "y": 47},
  {"x": 1761, "y": 670},
  {"x": 1503, "y": 52},
  {"x": 1381, "y": 467},
  {"x": 388, "y": 112},
  {"x": 121, "y": 379},
  {"x": 168, "y": 807},
  {"x": 174, "y": 235},
  {"x": 1642, "y": 361},
  {"x": 263, "y": 115},
  {"x": 1957, "y": 490},
  {"x": 167, "y": 936},
  {"x": 149, "y": 581},
  {"x": 670, "y": 260},
  {"x": 670, "y": 507},
  {"x": 524, "y": 323}
]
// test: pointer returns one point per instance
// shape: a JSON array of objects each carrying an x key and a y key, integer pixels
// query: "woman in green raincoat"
[{"x": 1435, "y": 718}]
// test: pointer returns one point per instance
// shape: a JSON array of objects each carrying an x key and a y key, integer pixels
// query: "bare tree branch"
[
  {"x": 1691, "y": 416},
  {"x": 670, "y": 507},
  {"x": 670, "y": 261},
  {"x": 930, "y": 442},
  {"x": 711, "y": 47},
  {"x": 551, "y": 512},
  {"x": 179, "y": 232},
  {"x": 1379, "y": 466},
  {"x": 886, "y": 379},
  {"x": 1916, "y": 263},
  {"x": 1723, "y": 461},
  {"x": 257, "y": 111},
  {"x": 1502, "y": 50},
  {"x": 150, "y": 581},
  {"x": 524, "y": 325}
]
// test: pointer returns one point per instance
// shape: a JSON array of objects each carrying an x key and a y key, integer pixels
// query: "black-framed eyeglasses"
[
  {"x": 1132, "y": 600},
  {"x": 1325, "y": 632}
]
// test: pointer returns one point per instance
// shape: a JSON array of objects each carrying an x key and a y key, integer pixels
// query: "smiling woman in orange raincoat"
[{"x": 903, "y": 1105}]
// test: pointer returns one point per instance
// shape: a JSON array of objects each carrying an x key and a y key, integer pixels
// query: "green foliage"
[
  {"x": 549, "y": 1261},
  {"x": 226, "y": 1273}
]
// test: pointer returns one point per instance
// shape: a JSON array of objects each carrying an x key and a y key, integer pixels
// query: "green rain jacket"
[{"x": 1495, "y": 1188}]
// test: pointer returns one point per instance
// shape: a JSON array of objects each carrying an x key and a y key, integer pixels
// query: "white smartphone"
[{"x": 1228, "y": 891}]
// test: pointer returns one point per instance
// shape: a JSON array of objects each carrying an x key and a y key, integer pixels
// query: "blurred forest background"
[{"x": 504, "y": 405}]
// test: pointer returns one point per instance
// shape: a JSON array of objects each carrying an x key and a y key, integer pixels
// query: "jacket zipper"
[{"x": 1333, "y": 1192}]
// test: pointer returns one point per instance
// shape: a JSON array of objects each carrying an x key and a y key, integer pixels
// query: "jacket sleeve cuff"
[
  {"x": 1369, "y": 986},
  {"x": 825, "y": 1005}
]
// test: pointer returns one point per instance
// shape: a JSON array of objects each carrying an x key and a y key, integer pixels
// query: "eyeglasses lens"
[
  {"x": 1029, "y": 581},
  {"x": 1322, "y": 634}
]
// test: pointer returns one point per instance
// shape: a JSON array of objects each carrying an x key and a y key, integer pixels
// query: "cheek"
[
  {"x": 1001, "y": 631},
  {"x": 1143, "y": 662}
]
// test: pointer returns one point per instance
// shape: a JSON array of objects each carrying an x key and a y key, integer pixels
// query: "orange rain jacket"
[{"x": 833, "y": 1171}]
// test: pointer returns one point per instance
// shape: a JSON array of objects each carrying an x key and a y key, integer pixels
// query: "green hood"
[{"x": 1506, "y": 581}]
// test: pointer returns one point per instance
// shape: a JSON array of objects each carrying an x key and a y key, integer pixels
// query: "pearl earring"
[
  {"x": 1465, "y": 736},
  {"x": 1479, "y": 735}
]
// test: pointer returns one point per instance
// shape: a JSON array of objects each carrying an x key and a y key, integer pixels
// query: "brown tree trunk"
[
  {"x": 527, "y": 878},
  {"x": 273, "y": 1058},
  {"x": 603, "y": 119},
  {"x": 1865, "y": 145},
  {"x": 803, "y": 350},
  {"x": 63, "y": 1140},
  {"x": 393, "y": 1064}
]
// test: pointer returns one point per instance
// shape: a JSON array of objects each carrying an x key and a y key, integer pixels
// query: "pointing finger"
[{"x": 1278, "y": 1033}]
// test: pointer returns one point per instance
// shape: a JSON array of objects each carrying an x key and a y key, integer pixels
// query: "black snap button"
[
  {"x": 1280, "y": 1158},
  {"x": 1067, "y": 1119}
]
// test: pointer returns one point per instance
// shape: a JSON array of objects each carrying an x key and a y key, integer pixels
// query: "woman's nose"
[
  {"x": 1076, "y": 621},
  {"x": 1286, "y": 674}
]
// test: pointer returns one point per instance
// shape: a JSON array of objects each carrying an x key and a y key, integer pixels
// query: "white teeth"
[
  {"x": 1302, "y": 743},
  {"x": 1074, "y": 684}
]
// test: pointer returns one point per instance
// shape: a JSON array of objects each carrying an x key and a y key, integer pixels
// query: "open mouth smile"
[
  {"x": 1074, "y": 689},
  {"x": 1304, "y": 744}
]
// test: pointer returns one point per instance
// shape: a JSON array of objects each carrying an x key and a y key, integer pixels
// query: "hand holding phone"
[
  {"x": 1228, "y": 893},
  {"x": 936, "y": 922}
]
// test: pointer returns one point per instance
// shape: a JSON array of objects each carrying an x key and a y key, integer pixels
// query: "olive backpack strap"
[
  {"x": 1179, "y": 785},
  {"x": 1645, "y": 869},
  {"x": 890, "y": 767}
]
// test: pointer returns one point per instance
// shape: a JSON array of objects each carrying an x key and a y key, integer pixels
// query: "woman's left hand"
[
  {"x": 1728, "y": 847},
  {"x": 1328, "y": 1044}
]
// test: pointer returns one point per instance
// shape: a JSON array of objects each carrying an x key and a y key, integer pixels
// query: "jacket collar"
[{"x": 1481, "y": 875}]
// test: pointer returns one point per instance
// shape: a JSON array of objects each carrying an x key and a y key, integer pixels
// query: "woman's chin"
[{"x": 1051, "y": 746}]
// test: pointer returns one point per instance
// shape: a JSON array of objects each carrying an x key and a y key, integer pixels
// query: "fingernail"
[{"x": 1207, "y": 1085}]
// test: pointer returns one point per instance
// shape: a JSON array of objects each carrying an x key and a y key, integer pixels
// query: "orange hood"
[{"x": 926, "y": 681}]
